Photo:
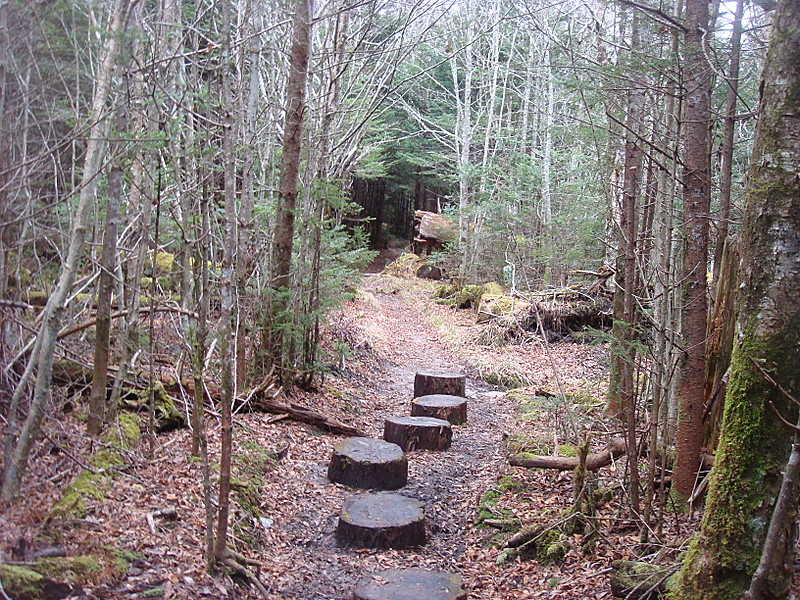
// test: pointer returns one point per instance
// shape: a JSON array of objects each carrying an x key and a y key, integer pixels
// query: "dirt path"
[{"x": 308, "y": 564}]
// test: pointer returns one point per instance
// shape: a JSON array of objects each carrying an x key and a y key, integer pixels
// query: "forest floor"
[{"x": 376, "y": 345}]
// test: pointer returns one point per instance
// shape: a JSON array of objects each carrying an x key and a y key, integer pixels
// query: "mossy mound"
[
  {"x": 498, "y": 305},
  {"x": 637, "y": 580},
  {"x": 464, "y": 297},
  {"x": 167, "y": 415},
  {"x": 406, "y": 265},
  {"x": 92, "y": 484},
  {"x": 54, "y": 578}
]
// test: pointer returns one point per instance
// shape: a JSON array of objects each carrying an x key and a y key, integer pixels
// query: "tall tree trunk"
[
  {"x": 53, "y": 311},
  {"x": 227, "y": 289},
  {"x": 287, "y": 189},
  {"x": 755, "y": 441},
  {"x": 696, "y": 205},
  {"x": 105, "y": 288},
  {"x": 246, "y": 209},
  {"x": 728, "y": 135}
]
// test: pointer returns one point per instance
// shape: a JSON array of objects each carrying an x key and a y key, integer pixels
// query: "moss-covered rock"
[
  {"x": 406, "y": 265},
  {"x": 167, "y": 415},
  {"x": 54, "y": 578}
]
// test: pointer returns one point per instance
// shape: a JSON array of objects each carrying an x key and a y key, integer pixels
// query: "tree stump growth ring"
[
  {"x": 410, "y": 584},
  {"x": 368, "y": 463},
  {"x": 427, "y": 383},
  {"x": 381, "y": 521},
  {"x": 441, "y": 406},
  {"x": 418, "y": 433}
]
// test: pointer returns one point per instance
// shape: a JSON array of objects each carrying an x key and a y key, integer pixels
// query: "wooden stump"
[
  {"x": 369, "y": 464},
  {"x": 418, "y": 433},
  {"x": 427, "y": 383},
  {"x": 381, "y": 521},
  {"x": 441, "y": 406},
  {"x": 410, "y": 584}
]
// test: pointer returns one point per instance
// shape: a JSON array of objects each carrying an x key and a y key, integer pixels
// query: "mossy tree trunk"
[{"x": 755, "y": 443}]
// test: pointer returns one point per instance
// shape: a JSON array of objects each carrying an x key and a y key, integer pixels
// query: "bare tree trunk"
[
  {"x": 757, "y": 432},
  {"x": 728, "y": 135},
  {"x": 51, "y": 316},
  {"x": 227, "y": 291},
  {"x": 696, "y": 206},
  {"x": 105, "y": 288},
  {"x": 246, "y": 246},
  {"x": 281, "y": 349}
]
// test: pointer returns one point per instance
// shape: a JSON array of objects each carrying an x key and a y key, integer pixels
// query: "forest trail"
[
  {"x": 391, "y": 330},
  {"x": 309, "y": 564}
]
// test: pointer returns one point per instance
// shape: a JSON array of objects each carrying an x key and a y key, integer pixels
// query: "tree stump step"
[
  {"x": 418, "y": 433},
  {"x": 368, "y": 463},
  {"x": 410, "y": 584},
  {"x": 427, "y": 383},
  {"x": 441, "y": 406},
  {"x": 381, "y": 521}
]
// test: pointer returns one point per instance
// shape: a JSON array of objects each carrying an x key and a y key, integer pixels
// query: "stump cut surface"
[
  {"x": 418, "y": 433},
  {"x": 410, "y": 584},
  {"x": 441, "y": 406},
  {"x": 368, "y": 463},
  {"x": 427, "y": 383},
  {"x": 381, "y": 521}
]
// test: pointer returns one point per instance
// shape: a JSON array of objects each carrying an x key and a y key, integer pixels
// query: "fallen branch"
[
  {"x": 268, "y": 403},
  {"x": 67, "y": 331},
  {"x": 615, "y": 449}
]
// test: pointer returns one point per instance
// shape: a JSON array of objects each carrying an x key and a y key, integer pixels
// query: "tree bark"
[
  {"x": 728, "y": 136},
  {"x": 105, "y": 287},
  {"x": 696, "y": 206},
  {"x": 227, "y": 283},
  {"x": 755, "y": 441},
  {"x": 598, "y": 460},
  {"x": 281, "y": 349}
]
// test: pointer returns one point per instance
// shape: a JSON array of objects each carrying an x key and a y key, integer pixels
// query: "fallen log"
[
  {"x": 263, "y": 399},
  {"x": 615, "y": 449}
]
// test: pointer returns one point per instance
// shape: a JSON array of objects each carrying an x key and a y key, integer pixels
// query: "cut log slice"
[
  {"x": 368, "y": 463},
  {"x": 418, "y": 433},
  {"x": 381, "y": 521},
  {"x": 427, "y": 383},
  {"x": 441, "y": 406},
  {"x": 410, "y": 584}
]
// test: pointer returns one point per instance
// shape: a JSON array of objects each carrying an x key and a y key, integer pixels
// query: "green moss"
[
  {"x": 552, "y": 546},
  {"x": 446, "y": 290},
  {"x": 76, "y": 570},
  {"x": 567, "y": 450},
  {"x": 73, "y": 501},
  {"x": 167, "y": 415},
  {"x": 746, "y": 475},
  {"x": 156, "y": 592},
  {"x": 22, "y": 583},
  {"x": 628, "y": 575},
  {"x": 468, "y": 296},
  {"x": 492, "y": 289},
  {"x": 91, "y": 485},
  {"x": 53, "y": 577},
  {"x": 251, "y": 468}
]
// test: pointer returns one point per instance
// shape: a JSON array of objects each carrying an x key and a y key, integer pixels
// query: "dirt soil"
[{"x": 376, "y": 345}]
